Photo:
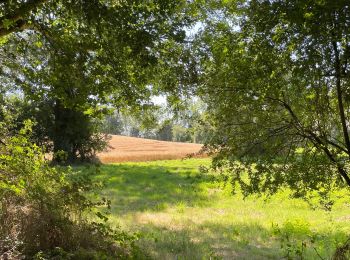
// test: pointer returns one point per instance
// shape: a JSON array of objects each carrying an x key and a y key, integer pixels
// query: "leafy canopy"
[
  {"x": 83, "y": 56},
  {"x": 275, "y": 75}
]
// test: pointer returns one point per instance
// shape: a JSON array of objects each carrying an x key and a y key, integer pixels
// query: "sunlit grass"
[{"x": 184, "y": 214}]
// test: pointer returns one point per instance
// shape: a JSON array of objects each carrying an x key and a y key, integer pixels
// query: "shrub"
[{"x": 45, "y": 211}]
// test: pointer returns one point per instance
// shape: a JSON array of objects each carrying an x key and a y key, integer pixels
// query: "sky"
[{"x": 159, "y": 100}]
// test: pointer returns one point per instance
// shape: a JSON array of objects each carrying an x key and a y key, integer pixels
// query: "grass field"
[
  {"x": 126, "y": 149},
  {"x": 181, "y": 213}
]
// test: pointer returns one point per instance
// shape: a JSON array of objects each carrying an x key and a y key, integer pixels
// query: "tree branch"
[
  {"x": 337, "y": 66},
  {"x": 319, "y": 142},
  {"x": 17, "y": 17}
]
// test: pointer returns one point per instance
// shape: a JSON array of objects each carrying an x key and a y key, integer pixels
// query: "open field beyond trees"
[
  {"x": 125, "y": 148},
  {"x": 181, "y": 213}
]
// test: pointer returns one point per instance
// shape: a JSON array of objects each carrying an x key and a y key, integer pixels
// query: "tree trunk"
[
  {"x": 61, "y": 134},
  {"x": 337, "y": 67}
]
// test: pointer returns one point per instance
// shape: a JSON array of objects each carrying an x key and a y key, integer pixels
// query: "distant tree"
[
  {"x": 113, "y": 124},
  {"x": 275, "y": 76},
  {"x": 181, "y": 134},
  {"x": 165, "y": 132},
  {"x": 190, "y": 122},
  {"x": 135, "y": 131}
]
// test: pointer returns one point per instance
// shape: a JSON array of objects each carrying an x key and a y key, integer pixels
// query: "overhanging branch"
[{"x": 16, "y": 20}]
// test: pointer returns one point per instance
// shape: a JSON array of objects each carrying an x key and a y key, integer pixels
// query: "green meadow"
[{"x": 179, "y": 212}]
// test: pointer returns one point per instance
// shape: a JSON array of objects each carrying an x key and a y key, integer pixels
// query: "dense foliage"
[
  {"x": 46, "y": 212},
  {"x": 275, "y": 78},
  {"x": 77, "y": 57}
]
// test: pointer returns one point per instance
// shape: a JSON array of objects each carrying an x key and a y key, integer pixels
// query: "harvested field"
[{"x": 132, "y": 149}]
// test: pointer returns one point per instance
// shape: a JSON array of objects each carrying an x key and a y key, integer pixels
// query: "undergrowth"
[{"x": 45, "y": 212}]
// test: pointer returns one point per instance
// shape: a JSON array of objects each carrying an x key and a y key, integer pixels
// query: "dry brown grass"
[{"x": 132, "y": 149}]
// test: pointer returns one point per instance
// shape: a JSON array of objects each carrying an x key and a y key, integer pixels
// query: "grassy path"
[{"x": 183, "y": 214}]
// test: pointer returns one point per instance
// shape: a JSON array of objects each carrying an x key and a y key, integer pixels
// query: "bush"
[
  {"x": 73, "y": 131},
  {"x": 45, "y": 212}
]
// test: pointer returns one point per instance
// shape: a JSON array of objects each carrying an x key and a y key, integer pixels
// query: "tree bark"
[
  {"x": 337, "y": 67},
  {"x": 61, "y": 137}
]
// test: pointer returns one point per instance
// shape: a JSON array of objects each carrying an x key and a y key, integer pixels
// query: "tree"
[
  {"x": 87, "y": 53},
  {"x": 165, "y": 131},
  {"x": 193, "y": 118},
  {"x": 275, "y": 75},
  {"x": 180, "y": 133},
  {"x": 113, "y": 124}
]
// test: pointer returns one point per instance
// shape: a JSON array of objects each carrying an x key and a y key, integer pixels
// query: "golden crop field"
[{"x": 124, "y": 149}]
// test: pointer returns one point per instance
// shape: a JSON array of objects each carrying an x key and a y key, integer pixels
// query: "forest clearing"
[{"x": 181, "y": 213}]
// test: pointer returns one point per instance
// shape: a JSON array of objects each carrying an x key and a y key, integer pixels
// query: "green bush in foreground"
[{"x": 44, "y": 212}]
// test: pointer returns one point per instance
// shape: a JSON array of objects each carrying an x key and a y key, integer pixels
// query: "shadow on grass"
[
  {"x": 133, "y": 188},
  {"x": 208, "y": 241},
  {"x": 220, "y": 241}
]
